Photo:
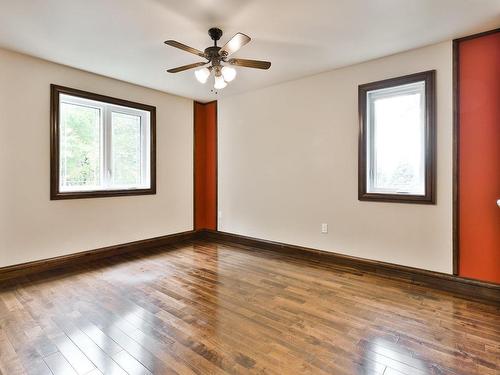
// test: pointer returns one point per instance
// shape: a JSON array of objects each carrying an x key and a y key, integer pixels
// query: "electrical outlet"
[{"x": 324, "y": 228}]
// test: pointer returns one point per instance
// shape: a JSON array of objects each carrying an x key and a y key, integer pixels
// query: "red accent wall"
[
  {"x": 205, "y": 165},
  {"x": 479, "y": 157}
]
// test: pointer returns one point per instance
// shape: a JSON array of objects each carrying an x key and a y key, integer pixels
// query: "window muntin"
[
  {"x": 397, "y": 139},
  {"x": 100, "y": 146}
]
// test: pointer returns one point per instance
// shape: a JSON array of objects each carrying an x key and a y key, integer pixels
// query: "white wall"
[
  {"x": 288, "y": 162},
  {"x": 33, "y": 227}
]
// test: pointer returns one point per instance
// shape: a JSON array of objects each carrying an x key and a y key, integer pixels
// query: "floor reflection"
[{"x": 380, "y": 354}]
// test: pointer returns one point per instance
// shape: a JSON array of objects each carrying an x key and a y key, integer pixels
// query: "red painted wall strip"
[
  {"x": 479, "y": 157},
  {"x": 205, "y": 165}
]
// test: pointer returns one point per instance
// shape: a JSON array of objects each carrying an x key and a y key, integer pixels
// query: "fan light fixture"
[
  {"x": 228, "y": 73},
  {"x": 218, "y": 59},
  {"x": 202, "y": 74},
  {"x": 219, "y": 83}
]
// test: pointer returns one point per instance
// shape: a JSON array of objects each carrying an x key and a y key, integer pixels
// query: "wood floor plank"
[
  {"x": 9, "y": 361},
  {"x": 99, "y": 358},
  {"x": 219, "y": 308},
  {"x": 74, "y": 356},
  {"x": 12, "y": 324},
  {"x": 108, "y": 345},
  {"x": 130, "y": 364},
  {"x": 59, "y": 365}
]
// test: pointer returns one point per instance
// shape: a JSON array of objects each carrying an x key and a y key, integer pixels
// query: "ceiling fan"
[{"x": 218, "y": 59}]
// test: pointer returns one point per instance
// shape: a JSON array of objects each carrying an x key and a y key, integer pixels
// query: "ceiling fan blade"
[
  {"x": 258, "y": 64},
  {"x": 234, "y": 44},
  {"x": 176, "y": 44},
  {"x": 186, "y": 67}
]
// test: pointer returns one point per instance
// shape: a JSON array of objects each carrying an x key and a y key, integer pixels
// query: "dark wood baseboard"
[
  {"x": 468, "y": 288},
  {"x": 24, "y": 269}
]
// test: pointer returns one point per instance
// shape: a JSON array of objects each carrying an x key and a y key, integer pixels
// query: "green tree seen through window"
[{"x": 80, "y": 145}]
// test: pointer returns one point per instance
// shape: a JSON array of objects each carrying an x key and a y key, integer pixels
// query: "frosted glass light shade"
[
  {"x": 228, "y": 73},
  {"x": 202, "y": 74},
  {"x": 219, "y": 83}
]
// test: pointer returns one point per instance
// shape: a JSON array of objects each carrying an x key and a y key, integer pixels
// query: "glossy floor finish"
[{"x": 219, "y": 308}]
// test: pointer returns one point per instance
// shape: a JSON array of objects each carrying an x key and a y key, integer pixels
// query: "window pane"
[
  {"x": 80, "y": 147},
  {"x": 396, "y": 147},
  {"x": 126, "y": 149}
]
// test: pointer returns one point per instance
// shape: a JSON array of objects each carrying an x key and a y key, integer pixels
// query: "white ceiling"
[{"x": 123, "y": 39}]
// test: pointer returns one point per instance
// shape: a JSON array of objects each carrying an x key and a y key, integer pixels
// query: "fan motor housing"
[{"x": 212, "y": 53}]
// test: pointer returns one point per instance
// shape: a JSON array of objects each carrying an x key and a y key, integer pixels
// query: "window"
[
  {"x": 397, "y": 139},
  {"x": 100, "y": 146}
]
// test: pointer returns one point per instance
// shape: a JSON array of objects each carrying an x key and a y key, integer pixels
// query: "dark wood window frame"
[
  {"x": 430, "y": 139},
  {"x": 55, "y": 193}
]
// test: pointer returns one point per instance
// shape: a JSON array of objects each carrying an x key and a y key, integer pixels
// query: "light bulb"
[
  {"x": 228, "y": 73},
  {"x": 202, "y": 74},
  {"x": 219, "y": 83}
]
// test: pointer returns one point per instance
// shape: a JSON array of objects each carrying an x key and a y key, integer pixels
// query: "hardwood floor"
[{"x": 221, "y": 308}]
